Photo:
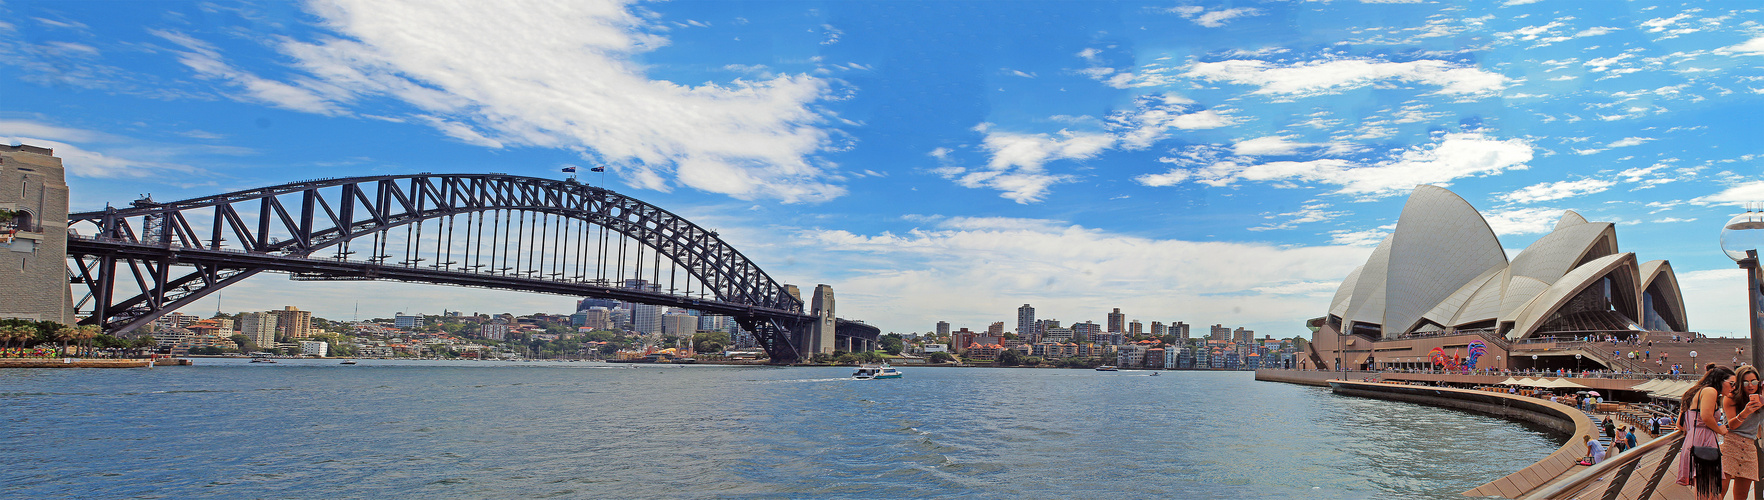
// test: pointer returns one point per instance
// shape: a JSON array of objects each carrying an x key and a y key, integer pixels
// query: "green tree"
[
  {"x": 893, "y": 343},
  {"x": 144, "y": 342},
  {"x": 710, "y": 342},
  {"x": 1007, "y": 357},
  {"x": 941, "y": 357},
  {"x": 244, "y": 342}
]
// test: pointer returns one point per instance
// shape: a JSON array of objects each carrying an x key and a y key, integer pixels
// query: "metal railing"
[{"x": 1611, "y": 479}]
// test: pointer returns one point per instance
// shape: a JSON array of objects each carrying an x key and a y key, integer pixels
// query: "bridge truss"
[{"x": 480, "y": 230}]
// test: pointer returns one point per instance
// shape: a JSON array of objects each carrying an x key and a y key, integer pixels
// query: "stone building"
[{"x": 33, "y": 244}]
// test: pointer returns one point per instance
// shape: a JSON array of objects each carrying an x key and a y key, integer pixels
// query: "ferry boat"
[
  {"x": 262, "y": 360},
  {"x": 868, "y": 372},
  {"x": 1107, "y": 368}
]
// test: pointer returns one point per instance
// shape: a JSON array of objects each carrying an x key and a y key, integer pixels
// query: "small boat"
[
  {"x": 1107, "y": 368},
  {"x": 348, "y": 362},
  {"x": 1154, "y": 374},
  {"x": 873, "y": 371},
  {"x": 262, "y": 360}
]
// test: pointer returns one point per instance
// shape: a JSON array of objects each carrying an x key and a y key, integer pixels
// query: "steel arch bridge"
[{"x": 544, "y": 236}]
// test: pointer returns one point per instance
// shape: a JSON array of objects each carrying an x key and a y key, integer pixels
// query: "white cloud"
[
  {"x": 1537, "y": 220},
  {"x": 206, "y": 61},
  {"x": 556, "y": 75},
  {"x": 1711, "y": 301},
  {"x": 1362, "y": 238},
  {"x": 1451, "y": 157},
  {"x": 1269, "y": 146},
  {"x": 1738, "y": 194},
  {"x": 970, "y": 270},
  {"x": 47, "y": 131},
  {"x": 1310, "y": 212},
  {"x": 82, "y": 162},
  {"x": 1170, "y": 178},
  {"x": 1212, "y": 19},
  {"x": 1338, "y": 75},
  {"x": 1154, "y": 116},
  {"x": 1016, "y": 166},
  {"x": 1556, "y": 190},
  {"x": 1753, "y": 47},
  {"x": 1629, "y": 141}
]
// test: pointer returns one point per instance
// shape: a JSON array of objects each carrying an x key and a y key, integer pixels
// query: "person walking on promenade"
[
  {"x": 1739, "y": 456},
  {"x": 1702, "y": 424}
]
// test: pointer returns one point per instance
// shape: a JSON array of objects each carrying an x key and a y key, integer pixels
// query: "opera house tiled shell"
[{"x": 1442, "y": 270}]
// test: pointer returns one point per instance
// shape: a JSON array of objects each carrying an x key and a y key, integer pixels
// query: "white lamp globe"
[{"x": 1741, "y": 233}]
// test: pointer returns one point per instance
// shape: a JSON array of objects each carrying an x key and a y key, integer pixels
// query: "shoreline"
[{"x": 91, "y": 363}]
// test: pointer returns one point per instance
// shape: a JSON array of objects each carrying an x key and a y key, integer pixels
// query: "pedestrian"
[
  {"x": 1595, "y": 451},
  {"x": 1629, "y": 436},
  {"x": 1700, "y": 421},
  {"x": 1739, "y": 456}
]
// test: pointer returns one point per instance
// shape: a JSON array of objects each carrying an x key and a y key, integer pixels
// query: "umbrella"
[{"x": 1592, "y": 393}]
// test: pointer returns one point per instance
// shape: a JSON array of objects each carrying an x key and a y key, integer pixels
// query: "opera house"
[{"x": 1441, "y": 284}]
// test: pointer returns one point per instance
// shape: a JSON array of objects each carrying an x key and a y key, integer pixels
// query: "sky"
[{"x": 1204, "y": 162}]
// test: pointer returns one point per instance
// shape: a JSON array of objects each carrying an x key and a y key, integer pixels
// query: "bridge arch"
[{"x": 290, "y": 227}]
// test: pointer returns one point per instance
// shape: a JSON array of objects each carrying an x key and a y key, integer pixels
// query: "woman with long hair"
[
  {"x": 1701, "y": 423},
  {"x": 1739, "y": 456}
]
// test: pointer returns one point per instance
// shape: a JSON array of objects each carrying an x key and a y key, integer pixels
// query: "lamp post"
[
  {"x": 1534, "y": 362},
  {"x": 1576, "y": 362},
  {"x": 1741, "y": 238}
]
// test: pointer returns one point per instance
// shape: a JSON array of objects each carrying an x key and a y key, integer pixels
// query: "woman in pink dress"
[{"x": 1701, "y": 423}]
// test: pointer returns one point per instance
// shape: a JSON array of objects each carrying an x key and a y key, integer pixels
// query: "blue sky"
[{"x": 1206, "y": 162}]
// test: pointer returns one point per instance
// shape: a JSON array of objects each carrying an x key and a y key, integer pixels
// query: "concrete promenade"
[
  {"x": 90, "y": 363},
  {"x": 1557, "y": 466}
]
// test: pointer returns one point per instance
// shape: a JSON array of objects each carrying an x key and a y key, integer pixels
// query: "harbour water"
[{"x": 400, "y": 429}]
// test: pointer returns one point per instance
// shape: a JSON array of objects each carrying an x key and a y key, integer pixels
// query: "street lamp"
[
  {"x": 1741, "y": 238},
  {"x": 1534, "y": 362},
  {"x": 1576, "y": 362}
]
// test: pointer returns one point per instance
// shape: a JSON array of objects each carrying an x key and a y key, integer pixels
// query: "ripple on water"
[{"x": 463, "y": 431}]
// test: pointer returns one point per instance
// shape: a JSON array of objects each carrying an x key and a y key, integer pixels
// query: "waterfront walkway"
[
  {"x": 90, "y": 363},
  {"x": 1639, "y": 473}
]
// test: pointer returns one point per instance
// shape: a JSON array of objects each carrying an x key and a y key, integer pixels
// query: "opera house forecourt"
[{"x": 1440, "y": 291}]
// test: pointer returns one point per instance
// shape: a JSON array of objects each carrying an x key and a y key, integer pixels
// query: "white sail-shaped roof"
[
  {"x": 1439, "y": 244},
  {"x": 1442, "y": 267}
]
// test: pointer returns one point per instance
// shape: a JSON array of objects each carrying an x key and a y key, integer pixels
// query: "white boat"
[
  {"x": 1107, "y": 368},
  {"x": 348, "y": 362},
  {"x": 262, "y": 360},
  {"x": 874, "y": 371}
]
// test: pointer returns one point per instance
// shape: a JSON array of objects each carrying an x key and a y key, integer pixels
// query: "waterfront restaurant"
[{"x": 1439, "y": 291}]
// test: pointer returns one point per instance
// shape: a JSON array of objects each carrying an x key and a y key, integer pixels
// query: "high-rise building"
[
  {"x": 1086, "y": 332},
  {"x": 494, "y": 330},
  {"x": 1220, "y": 332},
  {"x": 1158, "y": 329},
  {"x": 679, "y": 323},
  {"x": 942, "y": 328},
  {"x": 995, "y": 329},
  {"x": 1180, "y": 330},
  {"x": 646, "y": 318},
  {"x": 597, "y": 318},
  {"x": 403, "y": 322},
  {"x": 1117, "y": 321},
  {"x": 293, "y": 323},
  {"x": 1243, "y": 335},
  {"x": 260, "y": 327},
  {"x": 1057, "y": 335},
  {"x": 1135, "y": 328},
  {"x": 715, "y": 323},
  {"x": 1026, "y": 325}
]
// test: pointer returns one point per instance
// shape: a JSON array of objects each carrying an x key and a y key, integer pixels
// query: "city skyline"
[{"x": 941, "y": 161}]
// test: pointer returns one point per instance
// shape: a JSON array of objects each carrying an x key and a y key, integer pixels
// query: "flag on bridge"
[
  {"x": 570, "y": 169},
  {"x": 597, "y": 169}
]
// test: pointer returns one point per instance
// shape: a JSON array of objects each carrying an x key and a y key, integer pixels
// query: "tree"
[
  {"x": 1007, "y": 357},
  {"x": 245, "y": 343},
  {"x": 892, "y": 343},
  {"x": 144, "y": 342},
  {"x": 941, "y": 357},
  {"x": 710, "y": 342},
  {"x": 64, "y": 335}
]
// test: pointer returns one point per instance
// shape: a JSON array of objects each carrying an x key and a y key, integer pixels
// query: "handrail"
[{"x": 1568, "y": 487}]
